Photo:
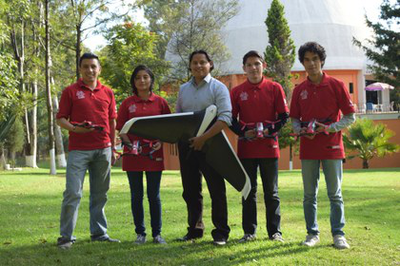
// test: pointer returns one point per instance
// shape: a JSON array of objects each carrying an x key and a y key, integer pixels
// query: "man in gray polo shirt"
[{"x": 198, "y": 93}]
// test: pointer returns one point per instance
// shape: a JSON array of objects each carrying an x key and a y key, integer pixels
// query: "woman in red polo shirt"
[{"x": 143, "y": 102}]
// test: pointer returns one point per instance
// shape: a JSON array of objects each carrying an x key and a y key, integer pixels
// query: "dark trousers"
[
  {"x": 193, "y": 165},
  {"x": 153, "y": 180},
  {"x": 269, "y": 177}
]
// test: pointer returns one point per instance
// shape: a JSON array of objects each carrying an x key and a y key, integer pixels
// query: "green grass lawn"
[{"x": 30, "y": 207}]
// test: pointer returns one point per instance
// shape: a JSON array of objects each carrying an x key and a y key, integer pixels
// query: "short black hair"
[
  {"x": 200, "y": 52},
  {"x": 252, "y": 53},
  {"x": 135, "y": 73},
  {"x": 88, "y": 56},
  {"x": 312, "y": 47}
]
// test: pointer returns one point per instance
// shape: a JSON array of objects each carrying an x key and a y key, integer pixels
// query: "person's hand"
[
  {"x": 321, "y": 127},
  {"x": 157, "y": 146},
  {"x": 114, "y": 157},
  {"x": 197, "y": 143},
  {"x": 82, "y": 130},
  {"x": 303, "y": 131},
  {"x": 266, "y": 132},
  {"x": 250, "y": 134}
]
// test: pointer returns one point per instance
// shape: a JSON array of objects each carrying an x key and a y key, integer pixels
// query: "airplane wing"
[{"x": 173, "y": 128}]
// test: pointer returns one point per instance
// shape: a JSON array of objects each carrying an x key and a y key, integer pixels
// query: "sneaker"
[
  {"x": 140, "y": 239},
  {"x": 106, "y": 239},
  {"x": 64, "y": 243},
  {"x": 159, "y": 240},
  {"x": 220, "y": 242},
  {"x": 340, "y": 242},
  {"x": 188, "y": 237},
  {"x": 247, "y": 238},
  {"x": 277, "y": 237},
  {"x": 311, "y": 240}
]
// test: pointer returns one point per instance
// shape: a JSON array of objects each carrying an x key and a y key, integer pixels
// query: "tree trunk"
[
  {"x": 59, "y": 139},
  {"x": 78, "y": 49},
  {"x": 365, "y": 164},
  {"x": 3, "y": 160},
  {"x": 290, "y": 157},
  {"x": 31, "y": 147},
  {"x": 19, "y": 54},
  {"x": 48, "y": 93},
  {"x": 31, "y": 155}
]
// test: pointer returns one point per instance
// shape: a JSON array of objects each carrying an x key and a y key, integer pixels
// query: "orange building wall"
[
  {"x": 347, "y": 76},
  {"x": 172, "y": 161}
]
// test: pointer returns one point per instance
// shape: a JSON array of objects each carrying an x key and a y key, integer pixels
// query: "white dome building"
[{"x": 332, "y": 23}]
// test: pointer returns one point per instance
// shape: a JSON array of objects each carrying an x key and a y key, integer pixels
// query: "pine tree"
[
  {"x": 279, "y": 56},
  {"x": 280, "y": 53}
]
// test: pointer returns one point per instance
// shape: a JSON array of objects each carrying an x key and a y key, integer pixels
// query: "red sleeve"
[
  {"x": 294, "y": 104},
  {"x": 65, "y": 106},
  {"x": 280, "y": 100},
  {"x": 235, "y": 106},
  {"x": 164, "y": 107},
  {"x": 345, "y": 104},
  {"x": 112, "y": 111},
  {"x": 122, "y": 115}
]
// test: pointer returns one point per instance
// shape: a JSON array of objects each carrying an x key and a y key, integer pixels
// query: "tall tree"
[
  {"x": 88, "y": 15},
  {"x": 191, "y": 25},
  {"x": 384, "y": 49},
  {"x": 130, "y": 44},
  {"x": 48, "y": 92},
  {"x": 34, "y": 63},
  {"x": 279, "y": 56},
  {"x": 369, "y": 140},
  {"x": 281, "y": 51},
  {"x": 20, "y": 20},
  {"x": 161, "y": 15}
]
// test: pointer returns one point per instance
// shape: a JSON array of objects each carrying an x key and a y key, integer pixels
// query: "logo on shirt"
[
  {"x": 80, "y": 95},
  {"x": 132, "y": 108},
  {"x": 244, "y": 96},
  {"x": 304, "y": 95}
]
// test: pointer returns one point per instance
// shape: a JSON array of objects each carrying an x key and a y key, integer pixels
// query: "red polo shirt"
[
  {"x": 132, "y": 107},
  {"x": 322, "y": 102},
  {"x": 79, "y": 103},
  {"x": 256, "y": 103}
]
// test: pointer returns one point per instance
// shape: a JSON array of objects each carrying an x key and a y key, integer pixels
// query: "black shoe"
[
  {"x": 188, "y": 237},
  {"x": 64, "y": 243},
  {"x": 247, "y": 238},
  {"x": 108, "y": 239}
]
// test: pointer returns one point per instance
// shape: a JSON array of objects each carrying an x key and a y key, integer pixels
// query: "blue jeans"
[
  {"x": 153, "y": 180},
  {"x": 333, "y": 171},
  {"x": 98, "y": 162}
]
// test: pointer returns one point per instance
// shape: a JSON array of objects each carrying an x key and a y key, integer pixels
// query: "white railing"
[{"x": 363, "y": 108}]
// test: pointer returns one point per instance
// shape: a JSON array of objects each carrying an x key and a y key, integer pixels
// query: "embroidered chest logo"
[
  {"x": 80, "y": 95},
  {"x": 244, "y": 96},
  {"x": 132, "y": 108},
  {"x": 304, "y": 95}
]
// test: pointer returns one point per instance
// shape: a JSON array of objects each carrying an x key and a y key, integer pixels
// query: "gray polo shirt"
[{"x": 210, "y": 91}]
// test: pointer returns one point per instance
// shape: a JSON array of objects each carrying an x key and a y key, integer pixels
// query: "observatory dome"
[{"x": 332, "y": 23}]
